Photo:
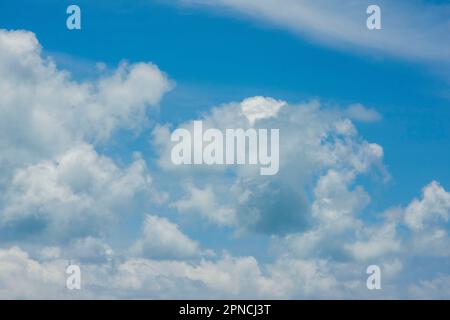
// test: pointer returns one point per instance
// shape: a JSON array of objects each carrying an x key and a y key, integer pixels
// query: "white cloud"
[
  {"x": 162, "y": 239},
  {"x": 410, "y": 29},
  {"x": 231, "y": 276},
  {"x": 204, "y": 202},
  {"x": 226, "y": 277},
  {"x": 340, "y": 233},
  {"x": 427, "y": 218},
  {"x": 24, "y": 278},
  {"x": 378, "y": 242},
  {"x": 313, "y": 278},
  {"x": 44, "y": 112},
  {"x": 315, "y": 141},
  {"x": 316, "y": 274},
  {"x": 79, "y": 193},
  {"x": 434, "y": 206},
  {"x": 358, "y": 112},
  {"x": 256, "y": 108},
  {"x": 87, "y": 249},
  {"x": 436, "y": 288},
  {"x": 64, "y": 194},
  {"x": 334, "y": 204}
]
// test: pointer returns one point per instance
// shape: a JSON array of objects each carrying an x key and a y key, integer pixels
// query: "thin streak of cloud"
[{"x": 410, "y": 29}]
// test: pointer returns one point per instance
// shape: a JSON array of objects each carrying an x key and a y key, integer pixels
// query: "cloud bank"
[{"x": 61, "y": 197}]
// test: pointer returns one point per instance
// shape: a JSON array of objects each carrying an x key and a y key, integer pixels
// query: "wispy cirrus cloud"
[{"x": 410, "y": 29}]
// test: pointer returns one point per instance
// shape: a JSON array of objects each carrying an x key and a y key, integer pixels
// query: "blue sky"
[{"x": 216, "y": 54}]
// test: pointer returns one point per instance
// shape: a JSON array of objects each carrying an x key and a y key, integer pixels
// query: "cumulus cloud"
[
  {"x": 63, "y": 196},
  {"x": 314, "y": 207},
  {"x": 377, "y": 241},
  {"x": 21, "y": 277},
  {"x": 43, "y": 110},
  {"x": 321, "y": 245},
  {"x": 162, "y": 239},
  {"x": 427, "y": 219},
  {"x": 334, "y": 204},
  {"x": 351, "y": 238},
  {"x": 224, "y": 277},
  {"x": 84, "y": 250},
  {"x": 256, "y": 108},
  {"x": 204, "y": 202},
  {"x": 360, "y": 113},
  {"x": 293, "y": 274},
  {"x": 434, "y": 206},
  {"x": 77, "y": 194},
  {"x": 227, "y": 276},
  {"x": 314, "y": 141},
  {"x": 436, "y": 288}
]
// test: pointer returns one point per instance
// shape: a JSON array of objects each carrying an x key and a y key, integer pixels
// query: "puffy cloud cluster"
[
  {"x": 204, "y": 202},
  {"x": 428, "y": 218},
  {"x": 432, "y": 208},
  {"x": 55, "y": 186},
  {"x": 23, "y": 277},
  {"x": 358, "y": 112},
  {"x": 294, "y": 274},
  {"x": 317, "y": 145},
  {"x": 162, "y": 239},
  {"x": 79, "y": 193},
  {"x": 391, "y": 238},
  {"x": 43, "y": 111},
  {"x": 313, "y": 209},
  {"x": 60, "y": 196},
  {"x": 260, "y": 108},
  {"x": 225, "y": 277}
]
